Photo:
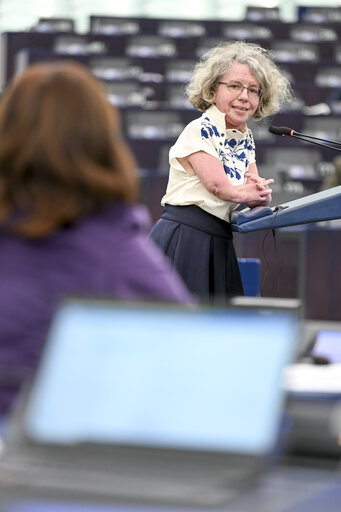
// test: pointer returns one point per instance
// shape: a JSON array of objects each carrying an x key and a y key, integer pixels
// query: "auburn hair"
[{"x": 62, "y": 155}]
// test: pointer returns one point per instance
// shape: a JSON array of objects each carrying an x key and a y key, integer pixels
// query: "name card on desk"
[{"x": 313, "y": 379}]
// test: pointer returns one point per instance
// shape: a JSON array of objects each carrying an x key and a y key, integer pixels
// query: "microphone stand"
[
  {"x": 283, "y": 131},
  {"x": 306, "y": 138}
]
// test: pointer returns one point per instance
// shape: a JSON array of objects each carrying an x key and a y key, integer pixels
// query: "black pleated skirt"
[{"x": 200, "y": 247}]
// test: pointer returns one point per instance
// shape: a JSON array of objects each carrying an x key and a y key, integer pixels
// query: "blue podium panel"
[
  {"x": 325, "y": 205},
  {"x": 250, "y": 272}
]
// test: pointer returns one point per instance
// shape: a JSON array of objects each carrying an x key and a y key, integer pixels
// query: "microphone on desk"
[{"x": 284, "y": 130}]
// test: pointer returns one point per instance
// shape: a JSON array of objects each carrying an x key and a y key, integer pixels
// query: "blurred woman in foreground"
[{"x": 69, "y": 222}]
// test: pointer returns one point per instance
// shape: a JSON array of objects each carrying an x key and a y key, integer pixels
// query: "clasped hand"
[{"x": 262, "y": 187}]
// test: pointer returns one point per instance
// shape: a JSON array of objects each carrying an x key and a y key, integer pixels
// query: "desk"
[{"x": 286, "y": 489}]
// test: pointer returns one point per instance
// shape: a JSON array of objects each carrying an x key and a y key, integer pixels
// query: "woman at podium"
[{"x": 213, "y": 166}]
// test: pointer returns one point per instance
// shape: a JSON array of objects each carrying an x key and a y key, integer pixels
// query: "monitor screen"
[
  {"x": 146, "y": 375},
  {"x": 328, "y": 345}
]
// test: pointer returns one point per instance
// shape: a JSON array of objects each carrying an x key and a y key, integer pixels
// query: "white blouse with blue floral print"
[{"x": 235, "y": 150}]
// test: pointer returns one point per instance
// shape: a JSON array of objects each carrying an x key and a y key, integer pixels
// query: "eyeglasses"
[{"x": 237, "y": 88}]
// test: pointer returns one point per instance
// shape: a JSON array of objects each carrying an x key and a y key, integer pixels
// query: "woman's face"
[{"x": 238, "y": 104}]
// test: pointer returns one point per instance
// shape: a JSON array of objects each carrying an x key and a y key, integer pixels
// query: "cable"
[
  {"x": 278, "y": 261},
  {"x": 276, "y": 210},
  {"x": 267, "y": 264}
]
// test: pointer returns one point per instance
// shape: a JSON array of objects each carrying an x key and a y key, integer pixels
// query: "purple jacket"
[{"x": 105, "y": 255}]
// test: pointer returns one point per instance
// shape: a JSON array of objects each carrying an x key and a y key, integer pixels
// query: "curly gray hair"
[{"x": 215, "y": 62}]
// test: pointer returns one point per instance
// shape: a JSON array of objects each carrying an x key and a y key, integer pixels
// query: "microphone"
[{"x": 284, "y": 130}]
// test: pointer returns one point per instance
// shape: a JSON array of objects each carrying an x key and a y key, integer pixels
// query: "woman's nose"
[{"x": 244, "y": 94}]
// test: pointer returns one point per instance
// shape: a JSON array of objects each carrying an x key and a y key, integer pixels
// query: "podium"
[{"x": 318, "y": 207}]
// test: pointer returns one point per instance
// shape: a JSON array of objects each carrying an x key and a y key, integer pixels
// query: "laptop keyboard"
[{"x": 161, "y": 481}]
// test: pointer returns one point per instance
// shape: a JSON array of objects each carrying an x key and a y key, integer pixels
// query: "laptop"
[{"x": 151, "y": 404}]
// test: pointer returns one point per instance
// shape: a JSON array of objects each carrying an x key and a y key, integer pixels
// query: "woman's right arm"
[{"x": 211, "y": 173}]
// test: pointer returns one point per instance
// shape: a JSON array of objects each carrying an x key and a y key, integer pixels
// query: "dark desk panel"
[{"x": 300, "y": 262}]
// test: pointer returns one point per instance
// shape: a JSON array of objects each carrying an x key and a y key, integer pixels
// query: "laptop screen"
[{"x": 169, "y": 377}]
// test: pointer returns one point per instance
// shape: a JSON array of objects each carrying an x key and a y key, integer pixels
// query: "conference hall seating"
[{"x": 146, "y": 62}]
